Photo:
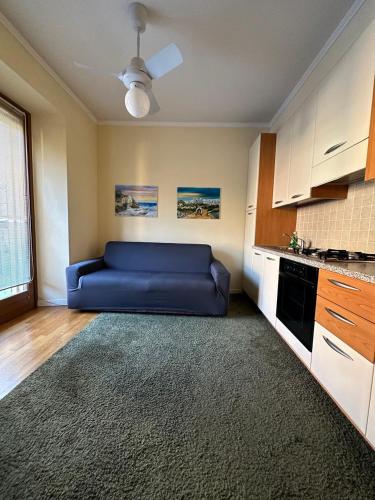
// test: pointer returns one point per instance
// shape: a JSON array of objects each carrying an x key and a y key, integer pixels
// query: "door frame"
[{"x": 16, "y": 305}]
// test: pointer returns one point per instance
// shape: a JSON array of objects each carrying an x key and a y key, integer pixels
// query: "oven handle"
[
  {"x": 339, "y": 316},
  {"x": 337, "y": 349},
  {"x": 286, "y": 275}
]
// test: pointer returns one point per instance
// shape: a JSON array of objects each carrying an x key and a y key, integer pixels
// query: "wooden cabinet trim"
[{"x": 271, "y": 223}]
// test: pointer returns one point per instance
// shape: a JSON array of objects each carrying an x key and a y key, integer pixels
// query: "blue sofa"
[{"x": 150, "y": 277}]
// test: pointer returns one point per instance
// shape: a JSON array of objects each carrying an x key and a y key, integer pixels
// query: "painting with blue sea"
[{"x": 136, "y": 201}]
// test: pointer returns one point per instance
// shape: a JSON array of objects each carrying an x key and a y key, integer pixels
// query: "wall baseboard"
[{"x": 52, "y": 302}]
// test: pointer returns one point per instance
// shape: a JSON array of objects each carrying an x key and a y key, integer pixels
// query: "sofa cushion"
[
  {"x": 141, "y": 281},
  {"x": 158, "y": 257}
]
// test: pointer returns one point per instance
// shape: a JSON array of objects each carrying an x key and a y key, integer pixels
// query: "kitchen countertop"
[{"x": 364, "y": 271}]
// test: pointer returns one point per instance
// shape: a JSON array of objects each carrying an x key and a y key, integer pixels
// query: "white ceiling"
[{"x": 241, "y": 57}]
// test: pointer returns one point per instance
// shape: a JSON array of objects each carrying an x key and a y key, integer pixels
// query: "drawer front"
[
  {"x": 355, "y": 331},
  {"x": 345, "y": 374},
  {"x": 355, "y": 295}
]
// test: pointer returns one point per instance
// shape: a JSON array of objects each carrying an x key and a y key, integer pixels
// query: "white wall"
[{"x": 169, "y": 157}]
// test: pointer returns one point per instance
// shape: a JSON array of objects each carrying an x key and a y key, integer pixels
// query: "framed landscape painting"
[
  {"x": 136, "y": 201},
  {"x": 198, "y": 203}
]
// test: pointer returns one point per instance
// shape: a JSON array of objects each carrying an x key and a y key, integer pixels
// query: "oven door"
[{"x": 296, "y": 300}]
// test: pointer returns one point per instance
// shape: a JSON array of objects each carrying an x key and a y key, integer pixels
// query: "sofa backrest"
[{"x": 162, "y": 257}]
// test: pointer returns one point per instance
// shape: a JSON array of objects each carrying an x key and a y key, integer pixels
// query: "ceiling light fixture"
[
  {"x": 137, "y": 101},
  {"x": 138, "y": 75}
]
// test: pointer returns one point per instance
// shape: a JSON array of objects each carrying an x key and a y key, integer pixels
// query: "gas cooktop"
[{"x": 338, "y": 255}]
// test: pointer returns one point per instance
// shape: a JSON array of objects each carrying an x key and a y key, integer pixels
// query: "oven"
[{"x": 296, "y": 299}]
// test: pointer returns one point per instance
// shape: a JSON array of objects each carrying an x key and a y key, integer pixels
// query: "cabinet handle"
[
  {"x": 297, "y": 195},
  {"x": 333, "y": 148},
  {"x": 339, "y": 317},
  {"x": 343, "y": 285},
  {"x": 250, "y": 213},
  {"x": 249, "y": 206},
  {"x": 336, "y": 348},
  {"x": 256, "y": 253},
  {"x": 270, "y": 258},
  {"x": 278, "y": 201}
]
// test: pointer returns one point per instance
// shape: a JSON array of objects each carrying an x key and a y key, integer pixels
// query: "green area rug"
[{"x": 165, "y": 407}]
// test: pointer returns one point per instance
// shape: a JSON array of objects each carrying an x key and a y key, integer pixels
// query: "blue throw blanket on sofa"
[{"x": 150, "y": 277}]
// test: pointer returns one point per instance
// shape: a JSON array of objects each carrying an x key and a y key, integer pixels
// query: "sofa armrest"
[
  {"x": 221, "y": 277},
  {"x": 75, "y": 271}
]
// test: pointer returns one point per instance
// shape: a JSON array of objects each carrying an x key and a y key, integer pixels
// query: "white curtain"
[{"x": 15, "y": 233}]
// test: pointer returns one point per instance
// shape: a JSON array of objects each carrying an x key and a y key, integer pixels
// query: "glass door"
[{"x": 17, "y": 251}]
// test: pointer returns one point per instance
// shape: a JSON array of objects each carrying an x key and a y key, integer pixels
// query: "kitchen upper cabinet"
[
  {"x": 253, "y": 175},
  {"x": 282, "y": 165},
  {"x": 343, "y": 112},
  {"x": 302, "y": 148},
  {"x": 269, "y": 285},
  {"x": 370, "y": 432},
  {"x": 345, "y": 374}
]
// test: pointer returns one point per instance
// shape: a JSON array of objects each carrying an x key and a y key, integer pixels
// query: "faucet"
[{"x": 302, "y": 245}]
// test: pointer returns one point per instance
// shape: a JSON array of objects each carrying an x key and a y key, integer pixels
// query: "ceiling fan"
[{"x": 138, "y": 75}]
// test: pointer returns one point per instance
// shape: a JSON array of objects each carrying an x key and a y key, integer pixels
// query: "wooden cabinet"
[
  {"x": 343, "y": 113},
  {"x": 352, "y": 294},
  {"x": 344, "y": 373},
  {"x": 269, "y": 285},
  {"x": 352, "y": 329},
  {"x": 253, "y": 175},
  {"x": 370, "y": 431},
  {"x": 302, "y": 147},
  {"x": 282, "y": 165}
]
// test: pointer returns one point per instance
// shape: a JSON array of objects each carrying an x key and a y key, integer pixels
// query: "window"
[{"x": 16, "y": 224}]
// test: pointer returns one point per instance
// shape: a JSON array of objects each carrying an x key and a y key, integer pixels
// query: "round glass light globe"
[{"x": 137, "y": 102}]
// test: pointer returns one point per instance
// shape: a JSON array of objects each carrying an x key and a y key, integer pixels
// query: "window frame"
[{"x": 18, "y": 304}]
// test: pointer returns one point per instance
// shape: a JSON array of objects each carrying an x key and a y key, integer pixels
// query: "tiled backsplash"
[{"x": 346, "y": 224}]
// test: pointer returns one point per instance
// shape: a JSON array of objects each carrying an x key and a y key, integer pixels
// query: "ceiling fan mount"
[
  {"x": 138, "y": 75},
  {"x": 137, "y": 13}
]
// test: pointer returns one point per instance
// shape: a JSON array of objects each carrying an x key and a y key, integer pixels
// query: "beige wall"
[
  {"x": 170, "y": 157},
  {"x": 65, "y": 165}
]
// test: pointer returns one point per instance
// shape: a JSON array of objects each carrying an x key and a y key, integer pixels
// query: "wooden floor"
[{"x": 28, "y": 341}]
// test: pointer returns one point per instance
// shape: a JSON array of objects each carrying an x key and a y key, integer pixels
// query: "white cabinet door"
[
  {"x": 370, "y": 432},
  {"x": 345, "y": 374},
  {"x": 282, "y": 164},
  {"x": 256, "y": 275},
  {"x": 268, "y": 298},
  {"x": 250, "y": 222},
  {"x": 247, "y": 274},
  {"x": 253, "y": 175},
  {"x": 301, "y": 159},
  {"x": 344, "y": 101}
]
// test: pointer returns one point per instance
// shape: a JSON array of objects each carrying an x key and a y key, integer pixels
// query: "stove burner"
[{"x": 339, "y": 255}]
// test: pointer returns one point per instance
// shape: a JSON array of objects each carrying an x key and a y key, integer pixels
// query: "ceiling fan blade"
[
  {"x": 154, "y": 105},
  {"x": 164, "y": 61},
  {"x": 95, "y": 70}
]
